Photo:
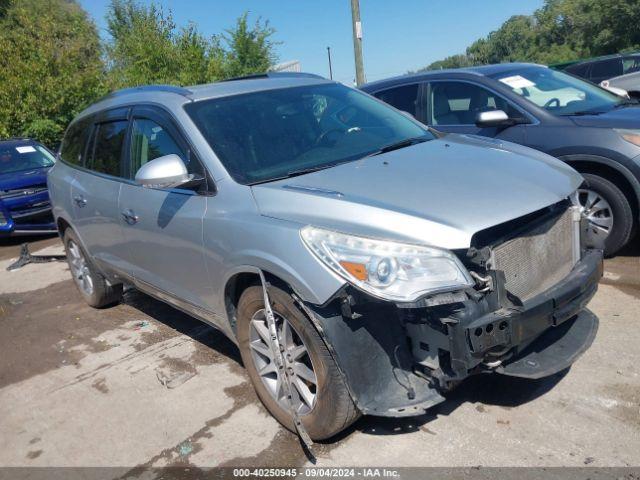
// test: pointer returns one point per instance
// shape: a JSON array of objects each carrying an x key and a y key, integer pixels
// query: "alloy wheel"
[
  {"x": 302, "y": 375},
  {"x": 80, "y": 268},
  {"x": 598, "y": 213}
]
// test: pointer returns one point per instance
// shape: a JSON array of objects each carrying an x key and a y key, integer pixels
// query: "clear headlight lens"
[
  {"x": 390, "y": 270},
  {"x": 631, "y": 136}
]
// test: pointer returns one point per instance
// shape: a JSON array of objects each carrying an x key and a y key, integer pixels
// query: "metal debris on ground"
[{"x": 26, "y": 258}]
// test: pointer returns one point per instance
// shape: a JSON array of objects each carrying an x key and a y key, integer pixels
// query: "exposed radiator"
[{"x": 541, "y": 257}]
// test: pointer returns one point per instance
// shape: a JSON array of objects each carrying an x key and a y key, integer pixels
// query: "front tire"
[
  {"x": 319, "y": 393},
  {"x": 608, "y": 211},
  {"x": 91, "y": 284}
]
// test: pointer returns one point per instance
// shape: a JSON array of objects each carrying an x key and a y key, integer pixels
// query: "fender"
[{"x": 617, "y": 166}]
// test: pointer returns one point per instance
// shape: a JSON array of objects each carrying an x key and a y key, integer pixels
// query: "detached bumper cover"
[{"x": 397, "y": 361}]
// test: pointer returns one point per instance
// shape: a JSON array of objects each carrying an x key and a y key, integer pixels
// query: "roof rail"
[
  {"x": 17, "y": 139},
  {"x": 257, "y": 76},
  {"x": 149, "y": 88}
]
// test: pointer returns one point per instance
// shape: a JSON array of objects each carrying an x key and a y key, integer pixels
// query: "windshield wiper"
[
  {"x": 304, "y": 171},
  {"x": 581, "y": 113},
  {"x": 397, "y": 146},
  {"x": 626, "y": 103}
]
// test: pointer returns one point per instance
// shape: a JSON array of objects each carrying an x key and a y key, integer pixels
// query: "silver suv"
[{"x": 362, "y": 262}]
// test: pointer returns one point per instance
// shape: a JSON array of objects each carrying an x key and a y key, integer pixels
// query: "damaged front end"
[{"x": 525, "y": 316}]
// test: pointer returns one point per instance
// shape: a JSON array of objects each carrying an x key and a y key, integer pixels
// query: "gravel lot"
[{"x": 141, "y": 384}]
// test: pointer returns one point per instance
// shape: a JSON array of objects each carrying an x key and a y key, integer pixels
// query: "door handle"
[
  {"x": 129, "y": 216},
  {"x": 80, "y": 200}
]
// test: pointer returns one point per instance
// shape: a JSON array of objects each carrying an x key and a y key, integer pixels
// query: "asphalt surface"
[{"x": 143, "y": 385}]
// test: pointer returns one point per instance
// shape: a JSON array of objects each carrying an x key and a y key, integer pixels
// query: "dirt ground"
[{"x": 141, "y": 384}]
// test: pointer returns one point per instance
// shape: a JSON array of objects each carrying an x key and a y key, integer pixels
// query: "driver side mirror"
[
  {"x": 493, "y": 118},
  {"x": 168, "y": 171}
]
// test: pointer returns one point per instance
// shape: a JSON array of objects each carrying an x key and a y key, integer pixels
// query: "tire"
[
  {"x": 623, "y": 223},
  {"x": 102, "y": 294},
  {"x": 333, "y": 409}
]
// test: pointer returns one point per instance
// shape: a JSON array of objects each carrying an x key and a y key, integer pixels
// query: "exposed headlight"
[
  {"x": 390, "y": 270},
  {"x": 631, "y": 136}
]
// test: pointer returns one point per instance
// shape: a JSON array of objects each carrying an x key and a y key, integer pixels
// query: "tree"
[
  {"x": 50, "y": 67},
  {"x": 249, "y": 50},
  {"x": 148, "y": 47},
  {"x": 559, "y": 31}
]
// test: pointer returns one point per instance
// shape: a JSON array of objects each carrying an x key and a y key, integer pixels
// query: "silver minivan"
[{"x": 362, "y": 262}]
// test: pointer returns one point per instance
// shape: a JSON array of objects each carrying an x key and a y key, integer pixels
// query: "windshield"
[
  {"x": 557, "y": 92},
  {"x": 17, "y": 158},
  {"x": 271, "y": 134}
]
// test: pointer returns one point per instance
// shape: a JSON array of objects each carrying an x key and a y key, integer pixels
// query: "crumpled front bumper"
[
  {"x": 397, "y": 361},
  {"x": 505, "y": 339}
]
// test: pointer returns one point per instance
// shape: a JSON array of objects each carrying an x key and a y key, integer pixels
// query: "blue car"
[{"x": 24, "y": 199}]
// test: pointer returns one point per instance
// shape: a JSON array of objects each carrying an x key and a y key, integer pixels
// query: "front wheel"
[
  {"x": 318, "y": 391},
  {"x": 608, "y": 212}
]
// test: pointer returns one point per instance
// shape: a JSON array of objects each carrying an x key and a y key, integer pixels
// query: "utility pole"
[
  {"x": 330, "y": 69},
  {"x": 357, "y": 41}
]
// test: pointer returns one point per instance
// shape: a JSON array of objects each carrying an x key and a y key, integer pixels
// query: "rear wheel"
[
  {"x": 608, "y": 211},
  {"x": 91, "y": 284},
  {"x": 318, "y": 392}
]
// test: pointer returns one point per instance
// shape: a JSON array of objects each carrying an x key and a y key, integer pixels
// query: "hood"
[
  {"x": 24, "y": 178},
  {"x": 439, "y": 192},
  {"x": 625, "y": 117}
]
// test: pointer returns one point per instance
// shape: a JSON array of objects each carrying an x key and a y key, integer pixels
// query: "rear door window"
[
  {"x": 107, "y": 151},
  {"x": 72, "y": 148},
  {"x": 404, "y": 98}
]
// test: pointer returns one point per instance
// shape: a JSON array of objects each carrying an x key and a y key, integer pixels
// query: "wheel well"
[
  {"x": 238, "y": 283},
  {"x": 613, "y": 176},
  {"x": 62, "y": 226}
]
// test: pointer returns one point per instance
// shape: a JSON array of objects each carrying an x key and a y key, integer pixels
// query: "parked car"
[
  {"x": 624, "y": 84},
  {"x": 594, "y": 131},
  {"x": 362, "y": 264},
  {"x": 611, "y": 71},
  {"x": 24, "y": 200}
]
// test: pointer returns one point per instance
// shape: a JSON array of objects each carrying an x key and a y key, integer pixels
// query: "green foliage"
[
  {"x": 148, "y": 47},
  {"x": 50, "y": 67},
  {"x": 560, "y": 31},
  {"x": 249, "y": 50}
]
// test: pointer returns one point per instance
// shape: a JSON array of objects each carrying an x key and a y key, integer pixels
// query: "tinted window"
[
  {"x": 271, "y": 134},
  {"x": 149, "y": 140},
  {"x": 20, "y": 157},
  {"x": 403, "y": 98},
  {"x": 605, "y": 70},
  {"x": 458, "y": 103},
  {"x": 108, "y": 147},
  {"x": 73, "y": 143},
  {"x": 630, "y": 65},
  {"x": 579, "y": 70}
]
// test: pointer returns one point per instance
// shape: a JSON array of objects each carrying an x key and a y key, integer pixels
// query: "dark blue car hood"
[
  {"x": 25, "y": 178},
  {"x": 624, "y": 117}
]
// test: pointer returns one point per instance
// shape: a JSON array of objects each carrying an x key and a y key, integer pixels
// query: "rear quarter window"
[{"x": 72, "y": 148}]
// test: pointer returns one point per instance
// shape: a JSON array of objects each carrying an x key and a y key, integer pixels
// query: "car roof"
[
  {"x": 17, "y": 141},
  {"x": 477, "y": 71},
  {"x": 595, "y": 59},
  {"x": 235, "y": 86}
]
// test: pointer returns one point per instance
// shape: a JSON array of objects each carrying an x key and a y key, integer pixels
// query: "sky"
[{"x": 398, "y": 35}]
